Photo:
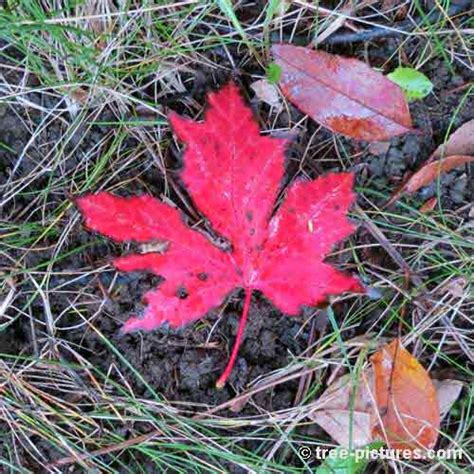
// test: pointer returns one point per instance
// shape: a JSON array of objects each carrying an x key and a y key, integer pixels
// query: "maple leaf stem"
[{"x": 240, "y": 332}]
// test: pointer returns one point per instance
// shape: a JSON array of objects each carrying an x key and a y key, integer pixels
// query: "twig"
[
  {"x": 403, "y": 27},
  {"x": 389, "y": 248}
]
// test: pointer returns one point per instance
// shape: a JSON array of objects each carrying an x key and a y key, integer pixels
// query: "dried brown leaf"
[
  {"x": 348, "y": 413},
  {"x": 428, "y": 173},
  {"x": 448, "y": 392},
  {"x": 431, "y": 171},
  {"x": 267, "y": 92},
  {"x": 461, "y": 142},
  {"x": 395, "y": 400},
  {"x": 406, "y": 400},
  {"x": 429, "y": 205}
]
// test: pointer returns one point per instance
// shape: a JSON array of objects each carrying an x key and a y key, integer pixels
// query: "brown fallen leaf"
[
  {"x": 429, "y": 205},
  {"x": 349, "y": 424},
  {"x": 348, "y": 429},
  {"x": 348, "y": 410},
  {"x": 267, "y": 92},
  {"x": 343, "y": 94},
  {"x": 431, "y": 171},
  {"x": 461, "y": 142},
  {"x": 448, "y": 392},
  {"x": 406, "y": 400},
  {"x": 428, "y": 173}
]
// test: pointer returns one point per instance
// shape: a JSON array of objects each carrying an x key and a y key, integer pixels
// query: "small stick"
[
  {"x": 388, "y": 247},
  {"x": 403, "y": 27}
]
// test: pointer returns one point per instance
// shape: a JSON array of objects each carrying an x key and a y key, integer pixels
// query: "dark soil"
[
  {"x": 183, "y": 364},
  {"x": 167, "y": 358}
]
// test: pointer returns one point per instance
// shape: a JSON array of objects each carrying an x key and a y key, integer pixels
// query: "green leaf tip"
[{"x": 414, "y": 83}]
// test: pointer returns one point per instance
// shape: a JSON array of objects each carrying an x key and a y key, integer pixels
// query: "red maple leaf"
[{"x": 233, "y": 175}]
